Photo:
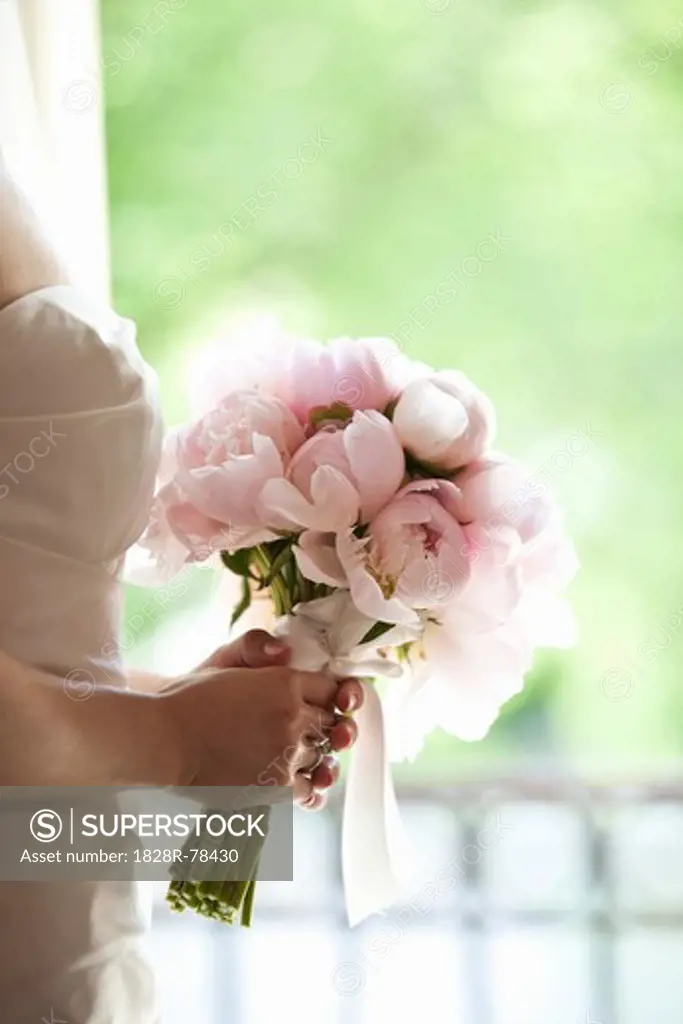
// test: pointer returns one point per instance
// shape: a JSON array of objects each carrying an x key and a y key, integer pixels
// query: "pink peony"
[
  {"x": 361, "y": 374},
  {"x": 343, "y": 474},
  {"x": 460, "y": 681},
  {"x": 477, "y": 648},
  {"x": 414, "y": 556},
  {"x": 176, "y": 535},
  {"x": 499, "y": 493},
  {"x": 444, "y": 420},
  {"x": 498, "y": 489},
  {"x": 225, "y": 459},
  {"x": 472, "y": 658}
]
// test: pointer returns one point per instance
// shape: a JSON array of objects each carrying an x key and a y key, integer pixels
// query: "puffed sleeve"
[
  {"x": 80, "y": 435},
  {"x": 79, "y": 427}
]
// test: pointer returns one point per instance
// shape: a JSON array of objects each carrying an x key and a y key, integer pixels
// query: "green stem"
[{"x": 280, "y": 592}]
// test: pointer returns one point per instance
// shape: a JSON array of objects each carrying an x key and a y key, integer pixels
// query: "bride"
[{"x": 79, "y": 444}]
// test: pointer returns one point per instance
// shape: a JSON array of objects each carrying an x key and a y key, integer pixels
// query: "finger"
[
  {"x": 303, "y": 789},
  {"x": 350, "y": 696},
  {"x": 317, "y": 688},
  {"x": 343, "y": 733},
  {"x": 316, "y": 723},
  {"x": 309, "y": 759},
  {"x": 254, "y": 649},
  {"x": 260, "y": 649},
  {"x": 315, "y": 802},
  {"x": 326, "y": 774}
]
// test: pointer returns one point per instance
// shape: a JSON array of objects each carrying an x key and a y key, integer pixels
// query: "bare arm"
[
  {"x": 227, "y": 723},
  {"x": 28, "y": 261},
  {"x": 47, "y": 738}
]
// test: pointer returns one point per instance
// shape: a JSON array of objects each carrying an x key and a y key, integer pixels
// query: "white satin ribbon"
[
  {"x": 327, "y": 635},
  {"x": 377, "y": 862}
]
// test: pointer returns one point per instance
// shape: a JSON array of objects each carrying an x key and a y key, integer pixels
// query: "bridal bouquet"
[{"x": 361, "y": 492}]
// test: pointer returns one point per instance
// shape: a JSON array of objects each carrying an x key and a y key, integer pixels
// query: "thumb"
[{"x": 254, "y": 649}]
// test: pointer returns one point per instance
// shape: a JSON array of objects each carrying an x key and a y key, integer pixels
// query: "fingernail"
[
  {"x": 348, "y": 703},
  {"x": 274, "y": 647}
]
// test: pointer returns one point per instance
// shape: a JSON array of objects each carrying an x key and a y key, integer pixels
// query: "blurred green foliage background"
[{"x": 556, "y": 126}]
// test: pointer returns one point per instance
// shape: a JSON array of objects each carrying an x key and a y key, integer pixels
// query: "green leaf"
[
  {"x": 425, "y": 470},
  {"x": 275, "y": 547},
  {"x": 379, "y": 629},
  {"x": 281, "y": 559},
  {"x": 243, "y": 604},
  {"x": 238, "y": 561},
  {"x": 389, "y": 411}
]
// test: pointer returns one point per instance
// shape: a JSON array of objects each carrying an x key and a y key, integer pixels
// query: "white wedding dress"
[{"x": 79, "y": 446}]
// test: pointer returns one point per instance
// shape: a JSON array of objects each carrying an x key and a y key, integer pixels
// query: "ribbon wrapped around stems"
[{"x": 377, "y": 862}]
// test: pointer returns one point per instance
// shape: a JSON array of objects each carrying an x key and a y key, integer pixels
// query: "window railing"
[{"x": 539, "y": 902}]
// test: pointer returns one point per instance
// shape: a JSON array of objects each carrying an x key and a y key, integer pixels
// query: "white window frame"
[{"x": 52, "y": 125}]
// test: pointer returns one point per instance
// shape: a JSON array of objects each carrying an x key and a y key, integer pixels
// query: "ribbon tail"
[{"x": 377, "y": 862}]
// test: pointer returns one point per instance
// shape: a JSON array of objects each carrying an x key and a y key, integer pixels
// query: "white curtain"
[{"x": 51, "y": 124}]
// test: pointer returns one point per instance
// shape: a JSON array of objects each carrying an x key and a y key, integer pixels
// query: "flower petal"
[
  {"x": 365, "y": 590},
  {"x": 376, "y": 458},
  {"x": 334, "y": 504},
  {"x": 228, "y": 492},
  {"x": 335, "y": 499},
  {"x": 317, "y": 558}
]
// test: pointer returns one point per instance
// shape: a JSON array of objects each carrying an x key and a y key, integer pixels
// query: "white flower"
[
  {"x": 327, "y": 634},
  {"x": 444, "y": 420}
]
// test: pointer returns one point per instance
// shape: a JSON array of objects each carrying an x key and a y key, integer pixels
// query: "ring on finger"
[
  {"x": 324, "y": 746},
  {"x": 320, "y": 756}
]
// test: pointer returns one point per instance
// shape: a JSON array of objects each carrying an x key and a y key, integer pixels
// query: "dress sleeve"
[{"x": 80, "y": 429}]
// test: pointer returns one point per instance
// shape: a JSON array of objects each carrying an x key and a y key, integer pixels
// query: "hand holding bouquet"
[{"x": 361, "y": 491}]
